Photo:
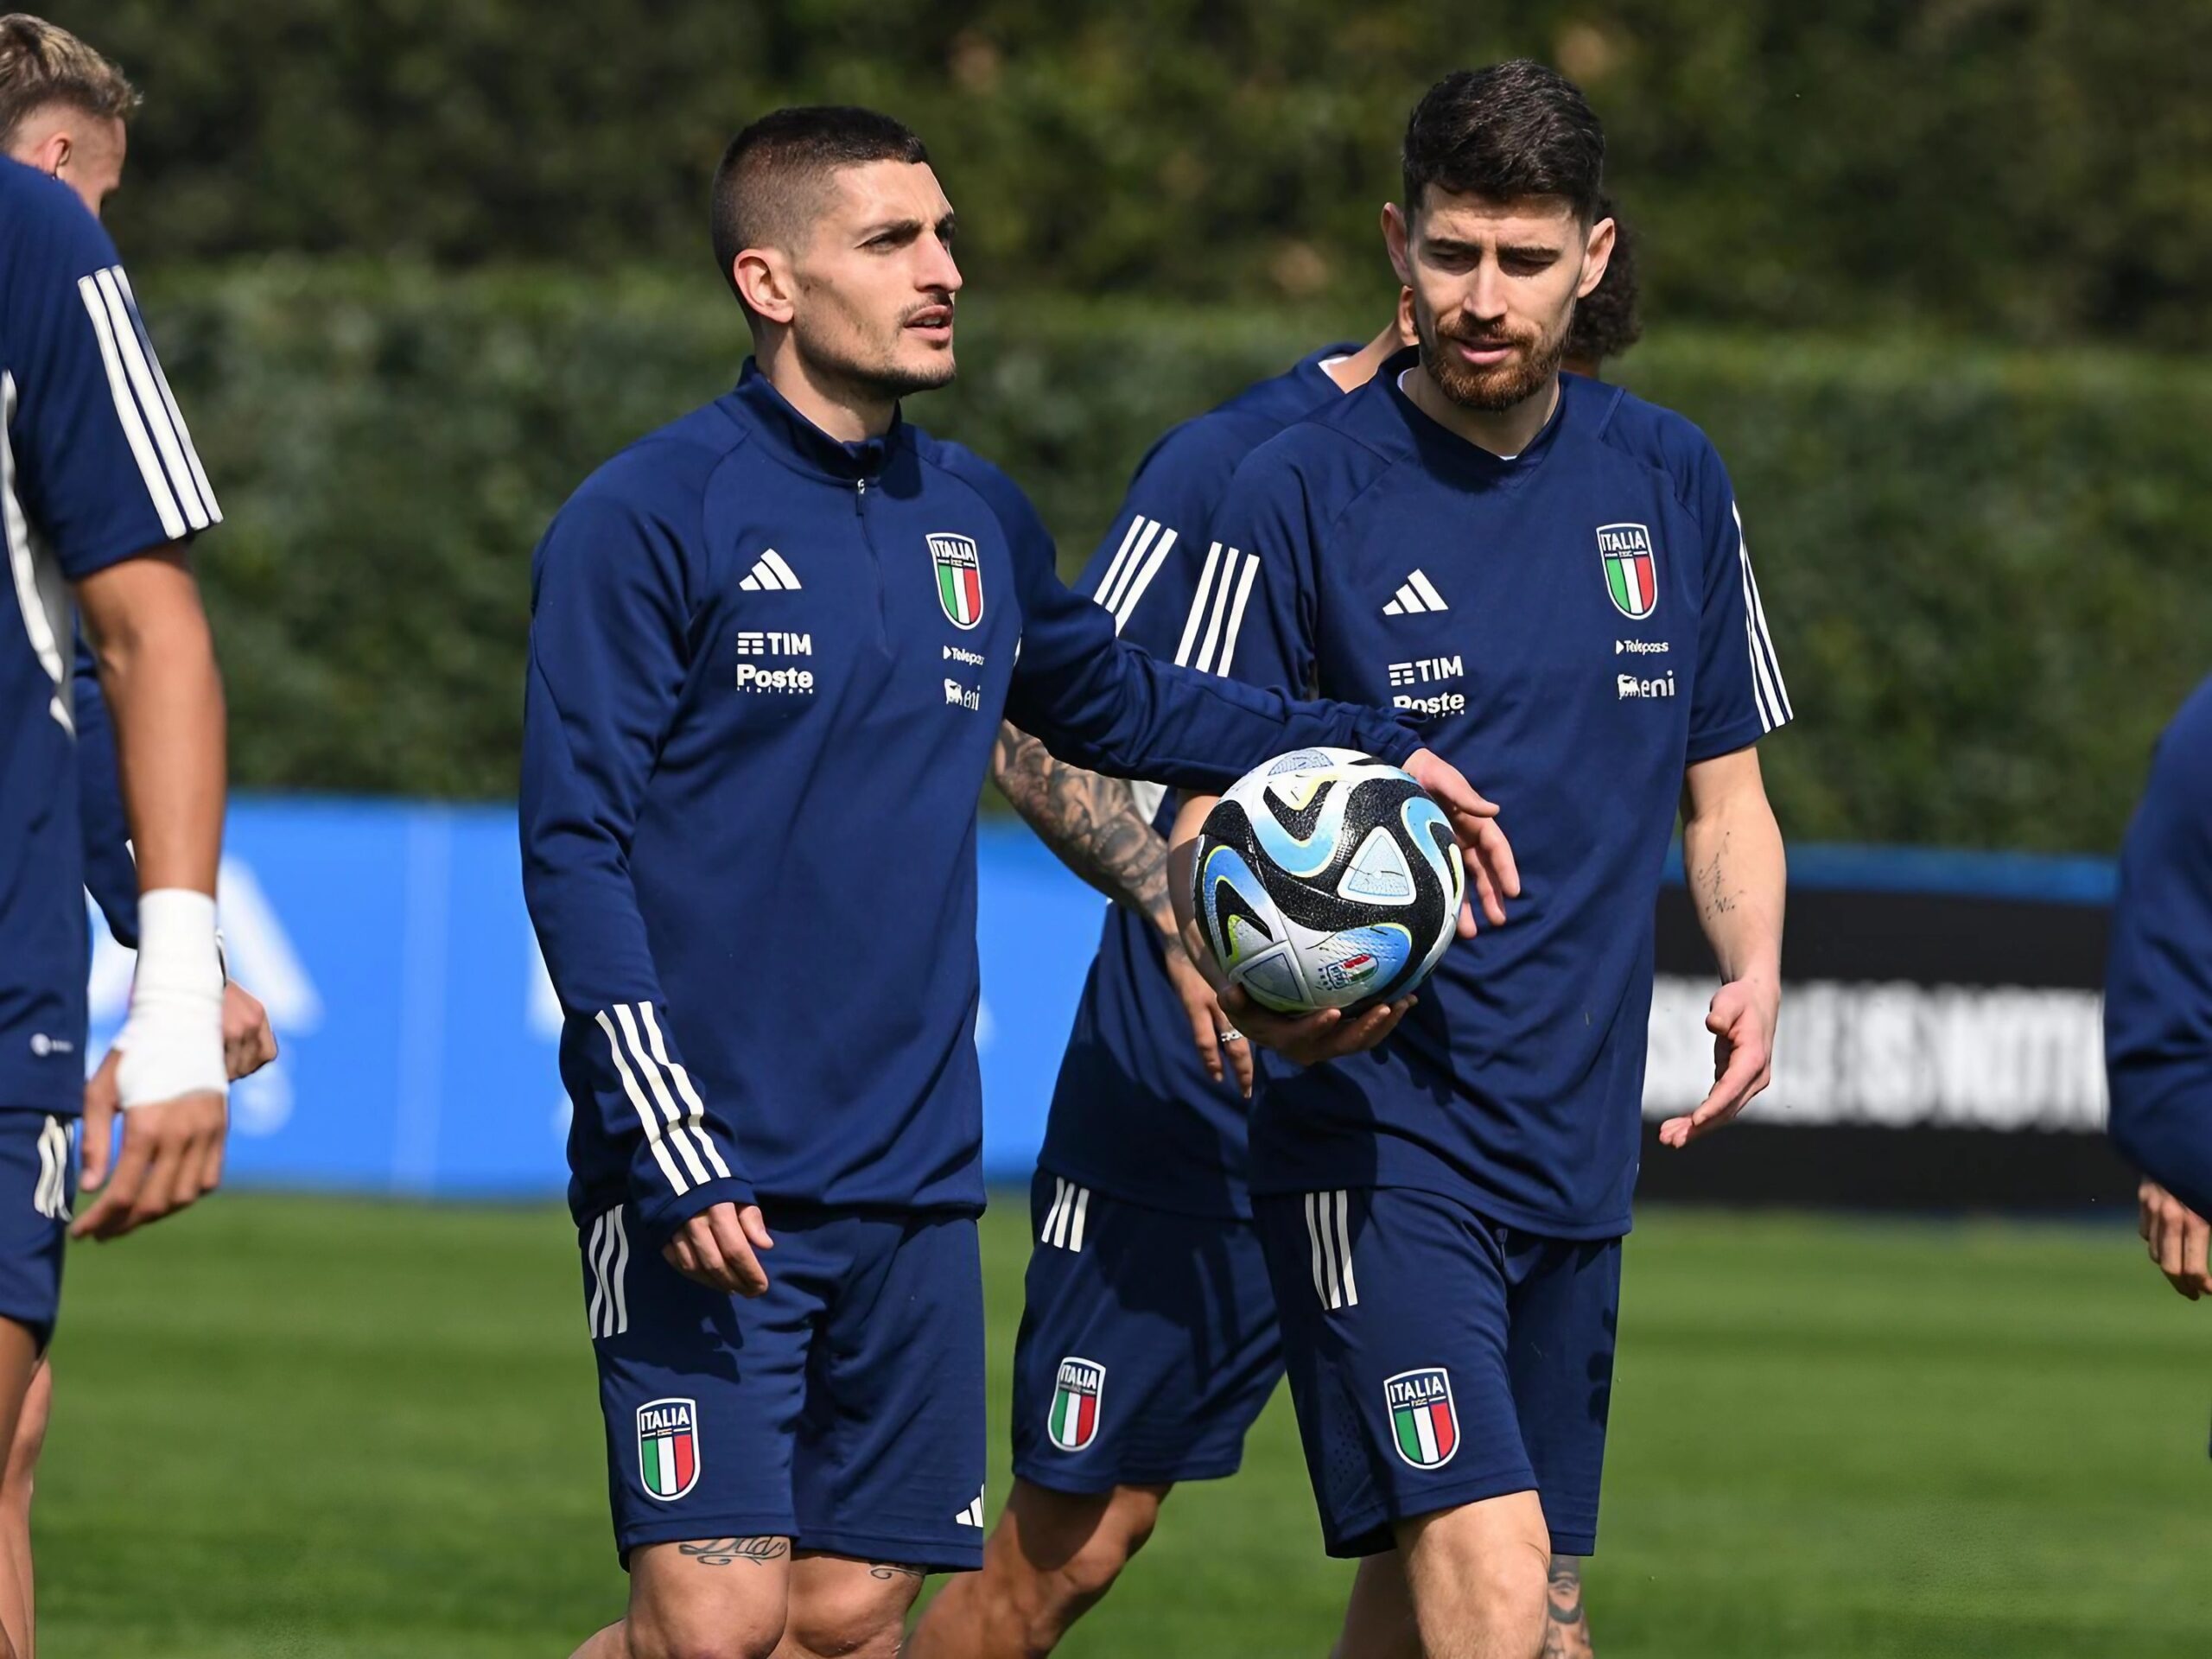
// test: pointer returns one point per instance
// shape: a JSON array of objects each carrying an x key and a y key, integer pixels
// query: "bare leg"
[
  {"x": 710, "y": 1599},
  {"x": 1479, "y": 1577},
  {"x": 1567, "y": 1634},
  {"x": 1379, "y": 1617},
  {"x": 845, "y": 1609},
  {"x": 1049, "y": 1560},
  {"x": 18, "y": 1605},
  {"x": 18, "y": 1361}
]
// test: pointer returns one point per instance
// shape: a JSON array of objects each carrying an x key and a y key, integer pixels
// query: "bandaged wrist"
[{"x": 172, "y": 1042}]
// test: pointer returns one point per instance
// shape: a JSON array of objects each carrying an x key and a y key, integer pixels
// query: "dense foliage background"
[{"x": 1932, "y": 274}]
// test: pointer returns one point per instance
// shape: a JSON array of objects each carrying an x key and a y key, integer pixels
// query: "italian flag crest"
[
  {"x": 959, "y": 579},
  {"x": 1422, "y": 1421},
  {"x": 1631, "y": 572},
  {"x": 1074, "y": 1421},
  {"x": 668, "y": 1447}
]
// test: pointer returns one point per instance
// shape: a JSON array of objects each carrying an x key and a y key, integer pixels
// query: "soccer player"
[
  {"x": 1558, "y": 569},
  {"x": 770, "y": 648},
  {"x": 100, "y": 494},
  {"x": 1146, "y": 1287},
  {"x": 2158, "y": 999}
]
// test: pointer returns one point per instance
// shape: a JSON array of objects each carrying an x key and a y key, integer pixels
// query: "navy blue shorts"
[
  {"x": 843, "y": 1410},
  {"x": 1149, "y": 1343},
  {"x": 1437, "y": 1358},
  {"x": 38, "y": 1187}
]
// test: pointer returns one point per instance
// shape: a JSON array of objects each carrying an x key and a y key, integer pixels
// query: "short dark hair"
[
  {"x": 767, "y": 186},
  {"x": 1511, "y": 130},
  {"x": 1606, "y": 321}
]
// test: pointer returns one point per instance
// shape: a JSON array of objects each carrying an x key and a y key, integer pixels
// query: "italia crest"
[
  {"x": 1423, "y": 1423},
  {"x": 1632, "y": 571},
  {"x": 1074, "y": 1421},
  {"x": 668, "y": 1447},
  {"x": 959, "y": 579}
]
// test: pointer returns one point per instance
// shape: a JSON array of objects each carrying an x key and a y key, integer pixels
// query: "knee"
[
  {"x": 665, "y": 1633},
  {"x": 31, "y": 1438},
  {"x": 862, "y": 1620},
  {"x": 1060, "y": 1570},
  {"x": 1492, "y": 1590},
  {"x": 1088, "y": 1572}
]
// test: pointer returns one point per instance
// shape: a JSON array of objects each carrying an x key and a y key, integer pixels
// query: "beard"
[
  {"x": 875, "y": 368},
  {"x": 1495, "y": 390}
]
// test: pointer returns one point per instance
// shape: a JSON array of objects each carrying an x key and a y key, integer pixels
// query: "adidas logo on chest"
[{"x": 770, "y": 573}]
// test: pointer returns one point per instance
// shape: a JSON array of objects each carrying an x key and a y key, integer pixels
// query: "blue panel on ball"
[{"x": 1363, "y": 958}]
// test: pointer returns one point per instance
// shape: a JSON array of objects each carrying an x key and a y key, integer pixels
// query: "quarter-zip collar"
[{"x": 802, "y": 445}]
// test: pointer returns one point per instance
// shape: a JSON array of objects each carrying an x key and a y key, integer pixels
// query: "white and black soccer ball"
[{"x": 1327, "y": 878}]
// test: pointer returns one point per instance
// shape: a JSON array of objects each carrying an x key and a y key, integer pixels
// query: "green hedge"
[
  {"x": 2033, "y": 168},
  {"x": 1984, "y": 571}
]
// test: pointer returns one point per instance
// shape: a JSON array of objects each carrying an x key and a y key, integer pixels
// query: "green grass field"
[{"x": 308, "y": 1427}]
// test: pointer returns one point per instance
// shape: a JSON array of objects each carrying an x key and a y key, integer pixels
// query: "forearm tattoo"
[
  {"x": 1566, "y": 1631},
  {"x": 720, "y": 1552},
  {"x": 1091, "y": 822},
  {"x": 1715, "y": 897}
]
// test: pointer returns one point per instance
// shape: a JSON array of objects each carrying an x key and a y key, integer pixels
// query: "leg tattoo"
[{"x": 1566, "y": 1631}]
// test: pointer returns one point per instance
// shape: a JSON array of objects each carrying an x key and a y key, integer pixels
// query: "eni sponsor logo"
[
  {"x": 1627, "y": 688},
  {"x": 958, "y": 695}
]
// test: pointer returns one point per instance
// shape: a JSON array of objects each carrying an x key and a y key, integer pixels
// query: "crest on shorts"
[
  {"x": 1074, "y": 1422},
  {"x": 1632, "y": 569},
  {"x": 1423, "y": 1424},
  {"x": 668, "y": 1447},
  {"x": 959, "y": 578}
]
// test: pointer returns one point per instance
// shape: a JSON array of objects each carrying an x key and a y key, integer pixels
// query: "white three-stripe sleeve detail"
[
  {"x": 1053, "y": 1210},
  {"x": 595, "y": 1256},
  {"x": 1198, "y": 607},
  {"x": 169, "y": 401},
  {"x": 126, "y": 411},
  {"x": 1126, "y": 606},
  {"x": 659, "y": 1086},
  {"x": 1133, "y": 541},
  {"x": 1343, "y": 1247},
  {"x": 1762, "y": 640},
  {"x": 23, "y": 566},
  {"x": 1217, "y": 613},
  {"x": 131, "y": 347},
  {"x": 646, "y": 1116},
  {"x": 615, "y": 1274},
  {"x": 1236, "y": 614},
  {"x": 1762, "y": 687},
  {"x": 695, "y": 1109},
  {"x": 1082, "y": 1209}
]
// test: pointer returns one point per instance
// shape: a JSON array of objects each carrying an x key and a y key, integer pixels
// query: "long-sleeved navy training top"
[
  {"x": 2158, "y": 977},
  {"x": 766, "y": 671}
]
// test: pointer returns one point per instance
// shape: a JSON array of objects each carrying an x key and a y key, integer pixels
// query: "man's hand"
[
  {"x": 248, "y": 1042},
  {"x": 2177, "y": 1238},
  {"x": 1311, "y": 1039},
  {"x": 172, "y": 1156},
  {"x": 1222, "y": 1046},
  {"x": 715, "y": 1248},
  {"x": 1482, "y": 846},
  {"x": 1742, "y": 1023}
]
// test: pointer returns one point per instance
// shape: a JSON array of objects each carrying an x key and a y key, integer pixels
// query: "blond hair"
[{"x": 41, "y": 63}]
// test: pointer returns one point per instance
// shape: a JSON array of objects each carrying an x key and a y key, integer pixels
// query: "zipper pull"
[{"x": 860, "y": 495}]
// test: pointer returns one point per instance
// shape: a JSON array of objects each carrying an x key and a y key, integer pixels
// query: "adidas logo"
[
  {"x": 972, "y": 1515},
  {"x": 771, "y": 574},
  {"x": 1416, "y": 594}
]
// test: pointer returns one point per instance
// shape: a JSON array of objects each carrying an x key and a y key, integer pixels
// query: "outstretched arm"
[
  {"x": 1732, "y": 856},
  {"x": 1093, "y": 826}
]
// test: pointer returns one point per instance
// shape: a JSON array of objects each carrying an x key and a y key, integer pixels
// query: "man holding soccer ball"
[
  {"x": 770, "y": 645},
  {"x": 1559, "y": 570}
]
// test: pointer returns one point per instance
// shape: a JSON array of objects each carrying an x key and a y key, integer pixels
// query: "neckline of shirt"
[{"x": 800, "y": 440}]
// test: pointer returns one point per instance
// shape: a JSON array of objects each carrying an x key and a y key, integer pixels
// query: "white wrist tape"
[{"x": 172, "y": 1043}]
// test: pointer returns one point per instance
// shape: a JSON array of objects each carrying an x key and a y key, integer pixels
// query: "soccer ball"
[{"x": 1326, "y": 879}]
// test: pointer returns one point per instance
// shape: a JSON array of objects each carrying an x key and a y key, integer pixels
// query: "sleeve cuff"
[
  {"x": 660, "y": 1216},
  {"x": 1726, "y": 740}
]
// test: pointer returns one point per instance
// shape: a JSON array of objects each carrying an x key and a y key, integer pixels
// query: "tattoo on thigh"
[
  {"x": 1566, "y": 1632},
  {"x": 889, "y": 1570},
  {"x": 720, "y": 1552}
]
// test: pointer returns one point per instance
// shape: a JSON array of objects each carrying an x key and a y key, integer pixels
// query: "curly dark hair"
[{"x": 1607, "y": 321}]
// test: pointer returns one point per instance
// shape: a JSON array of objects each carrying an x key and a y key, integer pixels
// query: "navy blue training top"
[
  {"x": 2158, "y": 978},
  {"x": 1582, "y": 622},
  {"x": 1134, "y": 1114},
  {"x": 766, "y": 669},
  {"x": 96, "y": 467}
]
